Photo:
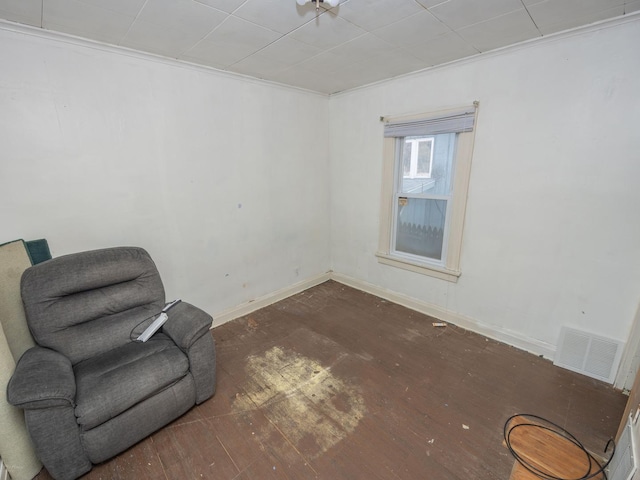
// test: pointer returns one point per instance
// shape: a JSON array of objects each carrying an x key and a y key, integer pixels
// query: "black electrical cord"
[{"x": 549, "y": 426}]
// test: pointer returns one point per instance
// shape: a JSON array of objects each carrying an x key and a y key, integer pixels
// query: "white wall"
[
  {"x": 221, "y": 179},
  {"x": 236, "y": 196},
  {"x": 552, "y": 232}
]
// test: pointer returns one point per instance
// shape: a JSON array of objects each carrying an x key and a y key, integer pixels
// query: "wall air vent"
[{"x": 589, "y": 354}]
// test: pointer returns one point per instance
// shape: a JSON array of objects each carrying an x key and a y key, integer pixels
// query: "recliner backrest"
[{"x": 87, "y": 303}]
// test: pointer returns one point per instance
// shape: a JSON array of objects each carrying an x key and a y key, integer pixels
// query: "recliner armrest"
[
  {"x": 186, "y": 324},
  {"x": 43, "y": 378}
]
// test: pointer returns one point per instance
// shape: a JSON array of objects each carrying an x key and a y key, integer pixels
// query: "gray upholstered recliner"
[{"x": 89, "y": 389}]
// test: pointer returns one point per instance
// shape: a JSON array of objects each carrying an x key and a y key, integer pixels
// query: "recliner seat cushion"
[{"x": 113, "y": 382}]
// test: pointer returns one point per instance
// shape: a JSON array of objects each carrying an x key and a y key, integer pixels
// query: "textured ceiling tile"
[
  {"x": 327, "y": 31},
  {"x": 445, "y": 48},
  {"x": 326, "y": 62},
  {"x": 28, "y": 12},
  {"x": 398, "y": 61},
  {"x": 582, "y": 20},
  {"x": 362, "y": 47},
  {"x": 82, "y": 19},
  {"x": 303, "y": 78},
  {"x": 153, "y": 38},
  {"x": 259, "y": 66},
  {"x": 123, "y": 7},
  {"x": 431, "y": 3},
  {"x": 232, "y": 41},
  {"x": 462, "y": 13},
  {"x": 418, "y": 28},
  {"x": 187, "y": 15},
  {"x": 373, "y": 14},
  {"x": 500, "y": 31},
  {"x": 225, "y": 5},
  {"x": 553, "y": 16},
  {"x": 280, "y": 15},
  {"x": 362, "y": 73},
  {"x": 633, "y": 6},
  {"x": 288, "y": 50}
]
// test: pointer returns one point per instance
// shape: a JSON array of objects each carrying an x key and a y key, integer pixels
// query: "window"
[{"x": 427, "y": 164}]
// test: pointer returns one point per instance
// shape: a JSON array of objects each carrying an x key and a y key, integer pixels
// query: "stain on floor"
[{"x": 306, "y": 402}]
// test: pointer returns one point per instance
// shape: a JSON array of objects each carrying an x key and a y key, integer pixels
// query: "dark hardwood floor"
[{"x": 334, "y": 383}]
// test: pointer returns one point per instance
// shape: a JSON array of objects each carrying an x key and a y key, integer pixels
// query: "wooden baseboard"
[
  {"x": 502, "y": 335},
  {"x": 266, "y": 300},
  {"x": 511, "y": 338}
]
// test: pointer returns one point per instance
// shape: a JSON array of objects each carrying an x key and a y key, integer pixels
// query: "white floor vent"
[{"x": 589, "y": 354}]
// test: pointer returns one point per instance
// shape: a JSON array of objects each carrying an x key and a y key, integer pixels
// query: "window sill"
[{"x": 422, "y": 268}]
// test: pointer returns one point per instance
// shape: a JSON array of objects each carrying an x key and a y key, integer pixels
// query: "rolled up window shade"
[{"x": 452, "y": 122}]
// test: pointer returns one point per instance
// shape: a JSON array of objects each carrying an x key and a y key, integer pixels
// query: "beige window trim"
[
  {"x": 450, "y": 271},
  {"x": 425, "y": 269}
]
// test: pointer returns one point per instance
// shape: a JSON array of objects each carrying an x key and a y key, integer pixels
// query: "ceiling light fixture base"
[{"x": 333, "y": 3}]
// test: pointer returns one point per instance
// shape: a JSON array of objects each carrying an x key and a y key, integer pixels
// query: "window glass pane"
[
  {"x": 423, "y": 173},
  {"x": 406, "y": 159},
  {"x": 420, "y": 226},
  {"x": 424, "y": 158}
]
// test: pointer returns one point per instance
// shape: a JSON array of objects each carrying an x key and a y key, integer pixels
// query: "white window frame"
[
  {"x": 413, "y": 162},
  {"x": 449, "y": 268},
  {"x": 398, "y": 193}
]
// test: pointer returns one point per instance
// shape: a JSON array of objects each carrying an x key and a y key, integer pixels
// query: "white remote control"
[
  {"x": 157, "y": 323},
  {"x": 153, "y": 328}
]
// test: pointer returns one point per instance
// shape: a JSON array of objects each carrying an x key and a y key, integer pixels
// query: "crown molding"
[
  {"x": 74, "y": 40},
  {"x": 532, "y": 42}
]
